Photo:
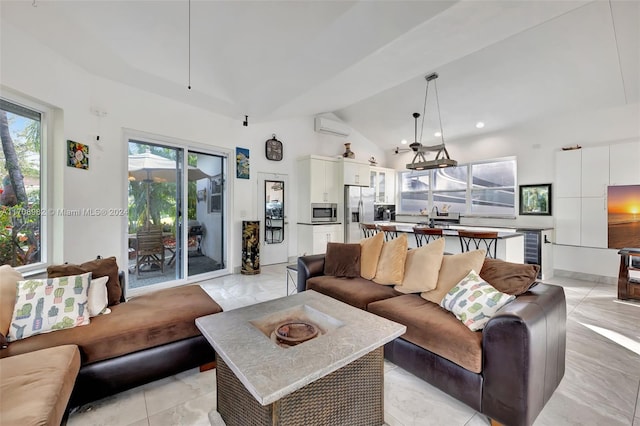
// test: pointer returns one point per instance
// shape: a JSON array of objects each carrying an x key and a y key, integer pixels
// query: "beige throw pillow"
[
  {"x": 370, "y": 249},
  {"x": 421, "y": 268},
  {"x": 9, "y": 278},
  {"x": 391, "y": 264},
  {"x": 453, "y": 269}
]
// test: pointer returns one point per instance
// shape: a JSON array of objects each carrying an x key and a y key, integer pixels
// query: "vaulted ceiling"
[{"x": 501, "y": 62}]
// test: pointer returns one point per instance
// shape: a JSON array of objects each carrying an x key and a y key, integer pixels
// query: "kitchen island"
[{"x": 510, "y": 245}]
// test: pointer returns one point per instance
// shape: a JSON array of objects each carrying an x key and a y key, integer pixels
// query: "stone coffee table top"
[{"x": 242, "y": 337}]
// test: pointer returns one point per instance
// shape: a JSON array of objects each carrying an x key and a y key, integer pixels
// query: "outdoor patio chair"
[{"x": 150, "y": 249}]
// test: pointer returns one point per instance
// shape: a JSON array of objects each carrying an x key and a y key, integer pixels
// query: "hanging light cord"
[
  {"x": 189, "y": 84},
  {"x": 424, "y": 110},
  {"x": 435, "y": 84}
]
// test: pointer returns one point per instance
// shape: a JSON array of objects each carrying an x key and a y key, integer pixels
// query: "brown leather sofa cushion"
[
  {"x": 35, "y": 387},
  {"x": 143, "y": 322},
  {"x": 434, "y": 329},
  {"x": 356, "y": 292}
]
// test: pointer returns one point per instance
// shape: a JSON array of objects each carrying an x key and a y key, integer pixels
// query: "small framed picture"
[
  {"x": 535, "y": 200},
  {"x": 77, "y": 155}
]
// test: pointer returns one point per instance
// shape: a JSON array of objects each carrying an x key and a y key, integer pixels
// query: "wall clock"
[{"x": 273, "y": 149}]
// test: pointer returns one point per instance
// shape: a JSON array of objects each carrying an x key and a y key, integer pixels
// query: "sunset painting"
[{"x": 624, "y": 216}]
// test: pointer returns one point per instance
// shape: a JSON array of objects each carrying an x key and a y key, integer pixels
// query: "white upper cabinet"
[
  {"x": 383, "y": 180},
  {"x": 624, "y": 160},
  {"x": 318, "y": 180},
  {"x": 355, "y": 173},
  {"x": 595, "y": 171},
  {"x": 568, "y": 173}
]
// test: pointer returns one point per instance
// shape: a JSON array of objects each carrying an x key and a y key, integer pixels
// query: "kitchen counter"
[
  {"x": 452, "y": 230},
  {"x": 510, "y": 244}
]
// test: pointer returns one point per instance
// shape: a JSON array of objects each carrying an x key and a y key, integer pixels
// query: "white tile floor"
[{"x": 600, "y": 386}]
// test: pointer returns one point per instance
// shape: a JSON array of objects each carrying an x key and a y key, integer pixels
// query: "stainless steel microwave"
[{"x": 324, "y": 212}]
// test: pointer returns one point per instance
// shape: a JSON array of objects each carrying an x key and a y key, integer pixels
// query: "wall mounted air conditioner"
[{"x": 331, "y": 127}]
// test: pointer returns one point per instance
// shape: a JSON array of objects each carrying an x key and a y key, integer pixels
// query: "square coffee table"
[{"x": 335, "y": 378}]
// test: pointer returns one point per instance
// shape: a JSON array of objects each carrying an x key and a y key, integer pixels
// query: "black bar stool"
[
  {"x": 368, "y": 229},
  {"x": 390, "y": 231},
  {"x": 426, "y": 235},
  {"x": 472, "y": 240}
]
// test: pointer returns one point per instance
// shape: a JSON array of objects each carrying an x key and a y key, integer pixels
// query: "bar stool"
[
  {"x": 390, "y": 231},
  {"x": 368, "y": 229},
  {"x": 426, "y": 235},
  {"x": 470, "y": 240}
]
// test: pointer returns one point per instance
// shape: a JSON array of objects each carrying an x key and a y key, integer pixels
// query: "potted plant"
[
  {"x": 31, "y": 285},
  {"x": 58, "y": 295},
  {"x": 48, "y": 289},
  {"x": 68, "y": 304},
  {"x": 77, "y": 288},
  {"x": 53, "y": 315}
]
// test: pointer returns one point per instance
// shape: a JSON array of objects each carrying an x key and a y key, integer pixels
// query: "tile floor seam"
[{"x": 635, "y": 409}]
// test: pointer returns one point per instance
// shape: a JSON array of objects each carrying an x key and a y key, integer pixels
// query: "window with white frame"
[
  {"x": 483, "y": 188},
  {"x": 22, "y": 235}
]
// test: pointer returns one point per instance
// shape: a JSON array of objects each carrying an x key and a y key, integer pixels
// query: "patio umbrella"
[{"x": 152, "y": 168}]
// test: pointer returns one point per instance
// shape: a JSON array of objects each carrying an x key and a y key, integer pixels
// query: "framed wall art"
[
  {"x": 77, "y": 155},
  {"x": 242, "y": 163},
  {"x": 535, "y": 200}
]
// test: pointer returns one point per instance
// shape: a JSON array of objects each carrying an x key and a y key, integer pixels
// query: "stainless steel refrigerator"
[{"x": 358, "y": 208}]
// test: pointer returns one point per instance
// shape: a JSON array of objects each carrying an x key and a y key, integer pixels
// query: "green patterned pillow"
[
  {"x": 49, "y": 304},
  {"x": 474, "y": 301}
]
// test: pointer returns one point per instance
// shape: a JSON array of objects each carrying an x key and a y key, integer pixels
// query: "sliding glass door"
[{"x": 172, "y": 236}]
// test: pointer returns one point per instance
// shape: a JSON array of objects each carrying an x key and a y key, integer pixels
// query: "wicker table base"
[{"x": 352, "y": 395}]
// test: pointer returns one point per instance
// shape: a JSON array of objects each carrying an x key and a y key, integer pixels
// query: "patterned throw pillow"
[
  {"x": 474, "y": 301},
  {"x": 49, "y": 304}
]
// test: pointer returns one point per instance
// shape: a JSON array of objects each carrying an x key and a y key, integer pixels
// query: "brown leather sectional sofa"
[
  {"x": 144, "y": 339},
  {"x": 508, "y": 371}
]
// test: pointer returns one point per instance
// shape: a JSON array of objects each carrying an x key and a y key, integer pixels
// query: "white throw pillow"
[
  {"x": 98, "y": 298},
  {"x": 474, "y": 301}
]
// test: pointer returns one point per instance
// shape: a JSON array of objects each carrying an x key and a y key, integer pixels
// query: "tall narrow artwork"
[
  {"x": 623, "y": 210},
  {"x": 242, "y": 163}
]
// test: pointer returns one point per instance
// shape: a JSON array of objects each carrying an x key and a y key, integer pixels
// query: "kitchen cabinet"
[
  {"x": 593, "y": 219},
  {"x": 568, "y": 173},
  {"x": 624, "y": 159},
  {"x": 318, "y": 182},
  {"x": 383, "y": 181},
  {"x": 313, "y": 239},
  {"x": 582, "y": 177},
  {"x": 595, "y": 171},
  {"x": 567, "y": 215},
  {"x": 355, "y": 173}
]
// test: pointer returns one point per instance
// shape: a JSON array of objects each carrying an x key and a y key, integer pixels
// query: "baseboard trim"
[{"x": 585, "y": 277}]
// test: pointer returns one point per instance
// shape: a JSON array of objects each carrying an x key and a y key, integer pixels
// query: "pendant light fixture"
[{"x": 442, "y": 159}]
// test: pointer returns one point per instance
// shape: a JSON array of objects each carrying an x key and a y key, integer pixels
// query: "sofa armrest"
[
  {"x": 524, "y": 355},
  {"x": 309, "y": 266}
]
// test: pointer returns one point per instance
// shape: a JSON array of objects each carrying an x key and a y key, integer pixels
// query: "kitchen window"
[{"x": 485, "y": 188}]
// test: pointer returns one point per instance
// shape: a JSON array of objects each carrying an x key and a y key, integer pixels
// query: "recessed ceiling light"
[
  {"x": 403, "y": 141},
  {"x": 437, "y": 134},
  {"x": 480, "y": 124}
]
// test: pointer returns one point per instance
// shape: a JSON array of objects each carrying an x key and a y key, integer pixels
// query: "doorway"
[
  {"x": 176, "y": 221},
  {"x": 272, "y": 209}
]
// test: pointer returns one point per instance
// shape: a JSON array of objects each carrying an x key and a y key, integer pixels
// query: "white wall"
[
  {"x": 535, "y": 144},
  {"x": 33, "y": 70}
]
